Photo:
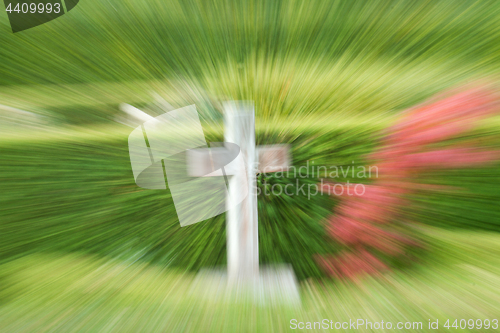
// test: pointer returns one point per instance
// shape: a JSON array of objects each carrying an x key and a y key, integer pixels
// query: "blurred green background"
[{"x": 82, "y": 248}]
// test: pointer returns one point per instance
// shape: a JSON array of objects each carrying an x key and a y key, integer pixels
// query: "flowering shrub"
[{"x": 369, "y": 225}]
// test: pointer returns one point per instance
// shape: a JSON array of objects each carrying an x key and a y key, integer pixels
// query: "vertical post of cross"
[{"x": 242, "y": 220}]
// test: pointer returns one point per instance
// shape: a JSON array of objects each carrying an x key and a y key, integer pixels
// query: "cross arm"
[{"x": 217, "y": 161}]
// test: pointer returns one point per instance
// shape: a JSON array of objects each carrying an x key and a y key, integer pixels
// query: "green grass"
[
  {"x": 84, "y": 293},
  {"x": 292, "y": 58}
]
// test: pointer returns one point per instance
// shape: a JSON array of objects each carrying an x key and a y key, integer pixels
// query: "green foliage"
[
  {"x": 79, "y": 195},
  {"x": 472, "y": 204},
  {"x": 291, "y": 57},
  {"x": 314, "y": 69}
]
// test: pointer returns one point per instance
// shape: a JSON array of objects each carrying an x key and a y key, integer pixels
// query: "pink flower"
[{"x": 365, "y": 222}]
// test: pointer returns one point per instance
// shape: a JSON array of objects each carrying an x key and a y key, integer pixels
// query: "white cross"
[{"x": 242, "y": 222}]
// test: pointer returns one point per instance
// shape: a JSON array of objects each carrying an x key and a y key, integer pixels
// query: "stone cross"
[{"x": 242, "y": 220}]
